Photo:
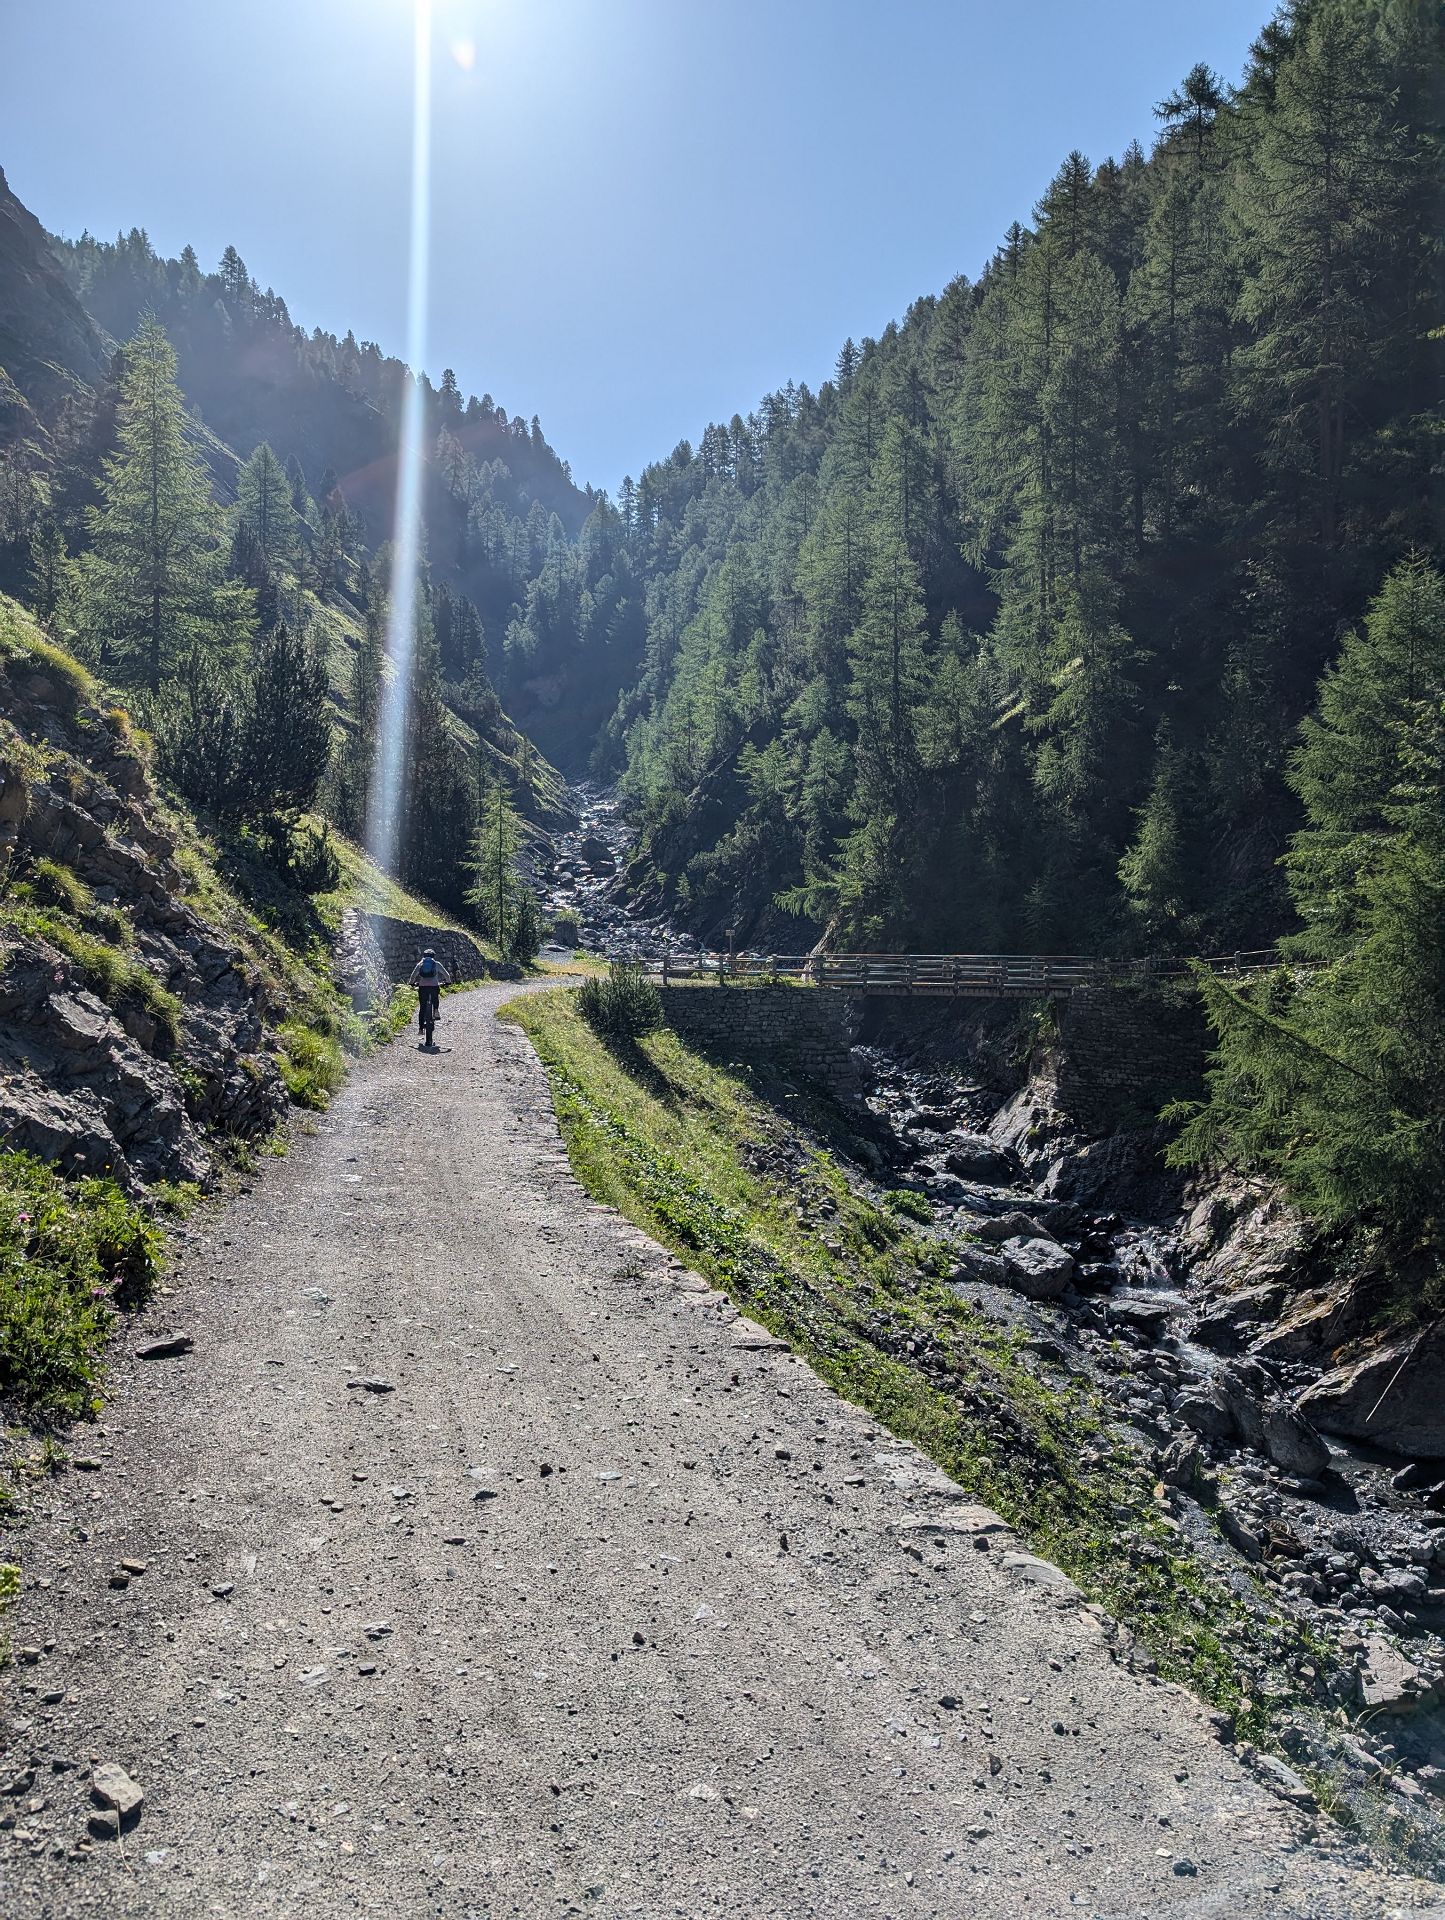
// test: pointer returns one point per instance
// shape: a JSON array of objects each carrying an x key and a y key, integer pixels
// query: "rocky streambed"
[
  {"x": 1182, "y": 1310},
  {"x": 585, "y": 887}
]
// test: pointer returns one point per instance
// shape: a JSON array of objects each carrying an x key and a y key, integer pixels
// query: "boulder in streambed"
[
  {"x": 977, "y": 1263},
  {"x": 1240, "y": 1403},
  {"x": 1008, "y": 1226},
  {"x": 1203, "y": 1411},
  {"x": 1182, "y": 1464},
  {"x": 1142, "y": 1314},
  {"x": 1291, "y": 1442},
  {"x": 973, "y": 1157},
  {"x": 1266, "y": 1422},
  {"x": 1388, "y": 1393},
  {"x": 1228, "y": 1324},
  {"x": 1039, "y": 1268}
]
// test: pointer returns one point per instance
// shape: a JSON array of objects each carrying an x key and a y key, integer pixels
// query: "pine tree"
[
  {"x": 352, "y": 768},
  {"x": 1160, "y": 871},
  {"x": 499, "y": 893},
  {"x": 153, "y": 584},
  {"x": 887, "y": 674},
  {"x": 1084, "y": 762},
  {"x": 265, "y": 507},
  {"x": 437, "y": 797},
  {"x": 235, "y": 281},
  {"x": 1347, "y": 767},
  {"x": 1194, "y": 107},
  {"x": 200, "y": 723},
  {"x": 300, "y": 497},
  {"x": 50, "y": 572},
  {"x": 1328, "y": 182},
  {"x": 1331, "y": 1080},
  {"x": 287, "y": 737},
  {"x": 20, "y": 499}
]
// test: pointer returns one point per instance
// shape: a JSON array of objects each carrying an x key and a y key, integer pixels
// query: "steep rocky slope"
[
  {"x": 139, "y": 1004},
  {"x": 49, "y": 345}
]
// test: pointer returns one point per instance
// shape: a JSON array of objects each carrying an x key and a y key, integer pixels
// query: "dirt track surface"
[{"x": 601, "y": 1610}]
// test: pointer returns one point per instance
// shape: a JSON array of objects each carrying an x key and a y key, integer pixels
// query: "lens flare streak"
[{"x": 384, "y": 806}]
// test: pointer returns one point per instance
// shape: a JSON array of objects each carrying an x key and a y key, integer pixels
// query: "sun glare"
[{"x": 384, "y": 804}]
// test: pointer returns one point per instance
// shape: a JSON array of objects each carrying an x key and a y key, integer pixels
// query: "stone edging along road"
[{"x": 479, "y": 1561}]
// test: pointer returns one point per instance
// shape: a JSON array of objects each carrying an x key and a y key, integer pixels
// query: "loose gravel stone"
[
  {"x": 111, "y": 1786},
  {"x": 170, "y": 1348}
]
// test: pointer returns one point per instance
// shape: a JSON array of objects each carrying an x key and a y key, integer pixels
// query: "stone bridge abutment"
[{"x": 1113, "y": 1055}]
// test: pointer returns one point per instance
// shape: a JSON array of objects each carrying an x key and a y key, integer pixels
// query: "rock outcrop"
[
  {"x": 134, "y": 1032},
  {"x": 49, "y": 345},
  {"x": 1388, "y": 1393}
]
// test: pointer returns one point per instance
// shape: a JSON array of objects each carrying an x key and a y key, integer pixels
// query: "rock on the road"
[{"x": 111, "y": 1786}]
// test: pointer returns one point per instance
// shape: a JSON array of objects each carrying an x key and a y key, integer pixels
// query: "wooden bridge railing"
[{"x": 1014, "y": 976}]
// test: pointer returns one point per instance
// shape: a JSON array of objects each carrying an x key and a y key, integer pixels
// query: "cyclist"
[{"x": 428, "y": 976}]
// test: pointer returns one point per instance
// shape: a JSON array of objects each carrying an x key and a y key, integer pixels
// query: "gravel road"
[{"x": 589, "y": 1604}]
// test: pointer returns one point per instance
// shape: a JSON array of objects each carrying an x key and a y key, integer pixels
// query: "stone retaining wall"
[
  {"x": 804, "y": 1030},
  {"x": 1114, "y": 1058},
  {"x": 374, "y": 953},
  {"x": 1106, "y": 1058},
  {"x": 1122, "y": 1052}
]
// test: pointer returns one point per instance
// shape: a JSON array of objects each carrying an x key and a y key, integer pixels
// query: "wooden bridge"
[{"x": 977, "y": 976}]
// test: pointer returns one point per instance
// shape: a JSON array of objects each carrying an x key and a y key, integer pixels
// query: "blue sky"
[{"x": 646, "y": 213}]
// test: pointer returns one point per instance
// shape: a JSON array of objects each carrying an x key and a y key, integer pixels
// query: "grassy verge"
[
  {"x": 363, "y": 884},
  {"x": 699, "y": 1158},
  {"x": 71, "y": 1255},
  {"x": 579, "y": 965}
]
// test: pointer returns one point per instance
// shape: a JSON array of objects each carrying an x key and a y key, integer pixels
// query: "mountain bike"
[{"x": 426, "y": 1015}]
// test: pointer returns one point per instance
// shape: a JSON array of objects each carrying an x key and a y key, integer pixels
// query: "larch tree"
[
  {"x": 152, "y": 576},
  {"x": 288, "y": 734},
  {"x": 265, "y": 506},
  {"x": 1332, "y": 1080},
  {"x": 1318, "y": 201}
]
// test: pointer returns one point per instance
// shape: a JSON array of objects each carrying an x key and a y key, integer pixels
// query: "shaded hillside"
[
  {"x": 541, "y": 559},
  {"x": 496, "y": 494},
  {"x": 50, "y": 349},
  {"x": 498, "y": 502},
  {"x": 191, "y": 610}
]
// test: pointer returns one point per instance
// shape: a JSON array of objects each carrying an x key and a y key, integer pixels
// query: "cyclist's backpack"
[{"x": 428, "y": 968}]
